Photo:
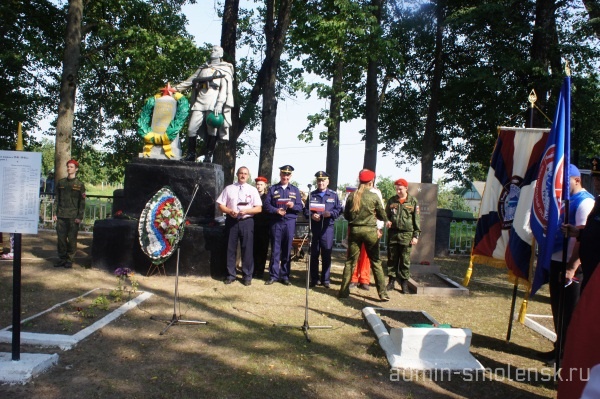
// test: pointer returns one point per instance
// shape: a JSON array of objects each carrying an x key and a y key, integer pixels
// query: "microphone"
[{"x": 309, "y": 186}]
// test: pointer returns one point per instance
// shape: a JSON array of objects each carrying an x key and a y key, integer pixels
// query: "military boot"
[
  {"x": 390, "y": 284},
  {"x": 191, "y": 152},
  {"x": 211, "y": 144},
  {"x": 404, "y": 286}
]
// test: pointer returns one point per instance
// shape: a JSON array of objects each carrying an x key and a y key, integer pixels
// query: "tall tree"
[
  {"x": 275, "y": 35},
  {"x": 329, "y": 39},
  {"x": 593, "y": 9},
  {"x": 372, "y": 98},
  {"x": 226, "y": 154},
  {"x": 430, "y": 137},
  {"x": 545, "y": 56},
  {"x": 68, "y": 87}
]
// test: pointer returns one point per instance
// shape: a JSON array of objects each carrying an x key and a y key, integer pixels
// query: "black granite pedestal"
[{"x": 202, "y": 249}]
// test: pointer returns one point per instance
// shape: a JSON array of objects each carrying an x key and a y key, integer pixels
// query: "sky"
[{"x": 306, "y": 158}]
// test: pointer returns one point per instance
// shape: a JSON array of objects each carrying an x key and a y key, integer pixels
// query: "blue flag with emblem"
[{"x": 552, "y": 186}]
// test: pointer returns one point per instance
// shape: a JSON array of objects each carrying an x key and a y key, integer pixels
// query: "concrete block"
[
  {"x": 27, "y": 367},
  {"x": 445, "y": 349}
]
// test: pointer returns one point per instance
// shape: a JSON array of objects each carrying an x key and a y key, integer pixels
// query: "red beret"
[
  {"x": 260, "y": 178},
  {"x": 366, "y": 176},
  {"x": 401, "y": 182},
  {"x": 74, "y": 162}
]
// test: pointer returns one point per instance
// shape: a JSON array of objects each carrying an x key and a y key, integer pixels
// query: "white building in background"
[{"x": 473, "y": 195}]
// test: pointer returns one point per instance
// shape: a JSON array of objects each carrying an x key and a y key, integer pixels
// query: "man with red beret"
[
  {"x": 402, "y": 211},
  {"x": 261, "y": 230},
  {"x": 69, "y": 206}
]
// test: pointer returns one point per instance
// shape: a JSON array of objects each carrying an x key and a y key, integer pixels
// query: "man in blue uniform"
[
  {"x": 283, "y": 203},
  {"x": 322, "y": 206}
]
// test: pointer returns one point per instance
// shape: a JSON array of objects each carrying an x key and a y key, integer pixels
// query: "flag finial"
[
  {"x": 567, "y": 68},
  {"x": 532, "y": 97}
]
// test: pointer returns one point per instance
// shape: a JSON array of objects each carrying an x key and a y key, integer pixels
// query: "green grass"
[{"x": 100, "y": 190}]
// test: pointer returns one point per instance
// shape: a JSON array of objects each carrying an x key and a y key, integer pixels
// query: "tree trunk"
[
  {"x": 593, "y": 9},
  {"x": 275, "y": 40},
  {"x": 68, "y": 86},
  {"x": 543, "y": 56},
  {"x": 371, "y": 97},
  {"x": 430, "y": 135},
  {"x": 333, "y": 125},
  {"x": 225, "y": 154}
]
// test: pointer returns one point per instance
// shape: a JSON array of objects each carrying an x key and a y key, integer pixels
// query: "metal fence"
[
  {"x": 96, "y": 207},
  {"x": 461, "y": 237},
  {"x": 462, "y": 234}
]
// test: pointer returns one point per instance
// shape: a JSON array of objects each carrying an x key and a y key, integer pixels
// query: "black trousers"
[
  {"x": 242, "y": 230},
  {"x": 571, "y": 293}
]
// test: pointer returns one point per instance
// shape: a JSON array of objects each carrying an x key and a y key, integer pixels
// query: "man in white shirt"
[
  {"x": 240, "y": 201},
  {"x": 580, "y": 206}
]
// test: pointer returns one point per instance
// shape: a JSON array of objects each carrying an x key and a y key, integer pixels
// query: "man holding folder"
[
  {"x": 240, "y": 202},
  {"x": 283, "y": 203},
  {"x": 323, "y": 206}
]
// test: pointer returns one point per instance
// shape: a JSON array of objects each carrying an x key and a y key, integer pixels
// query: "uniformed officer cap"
[
  {"x": 260, "y": 178},
  {"x": 286, "y": 169},
  {"x": 320, "y": 175},
  {"x": 74, "y": 162}
]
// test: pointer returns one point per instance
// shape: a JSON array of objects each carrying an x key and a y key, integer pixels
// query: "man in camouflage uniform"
[
  {"x": 69, "y": 205},
  {"x": 402, "y": 211}
]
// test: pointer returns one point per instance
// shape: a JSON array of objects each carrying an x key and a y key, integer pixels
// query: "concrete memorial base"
[
  {"x": 203, "y": 247},
  {"x": 416, "y": 348}
]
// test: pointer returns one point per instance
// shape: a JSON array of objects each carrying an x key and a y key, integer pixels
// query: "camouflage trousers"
[
  {"x": 66, "y": 230},
  {"x": 357, "y": 236}
]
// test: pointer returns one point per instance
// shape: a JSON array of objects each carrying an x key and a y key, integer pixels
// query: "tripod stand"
[
  {"x": 177, "y": 319},
  {"x": 305, "y": 327}
]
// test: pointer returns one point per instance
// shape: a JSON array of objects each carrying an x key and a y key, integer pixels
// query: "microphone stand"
[
  {"x": 177, "y": 319},
  {"x": 305, "y": 327}
]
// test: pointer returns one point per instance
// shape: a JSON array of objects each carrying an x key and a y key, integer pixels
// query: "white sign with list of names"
[{"x": 20, "y": 174}]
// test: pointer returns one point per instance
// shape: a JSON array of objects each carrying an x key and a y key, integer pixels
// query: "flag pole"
[
  {"x": 532, "y": 99},
  {"x": 560, "y": 333}
]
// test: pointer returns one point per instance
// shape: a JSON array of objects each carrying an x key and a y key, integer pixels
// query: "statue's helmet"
[{"x": 215, "y": 121}]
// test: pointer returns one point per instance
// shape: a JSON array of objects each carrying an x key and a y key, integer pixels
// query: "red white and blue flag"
[
  {"x": 503, "y": 237},
  {"x": 553, "y": 186},
  {"x": 316, "y": 207},
  {"x": 281, "y": 202}
]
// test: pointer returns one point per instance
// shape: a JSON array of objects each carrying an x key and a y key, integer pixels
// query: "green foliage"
[
  {"x": 486, "y": 77},
  {"x": 30, "y": 49},
  {"x": 46, "y": 147},
  {"x": 130, "y": 49},
  {"x": 386, "y": 186},
  {"x": 325, "y": 33},
  {"x": 450, "y": 198}
]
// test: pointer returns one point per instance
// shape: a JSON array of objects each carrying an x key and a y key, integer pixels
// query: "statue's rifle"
[{"x": 199, "y": 82}]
